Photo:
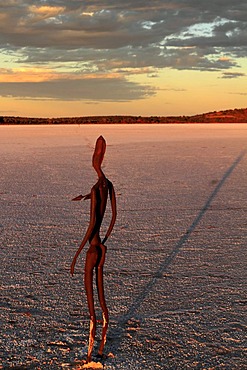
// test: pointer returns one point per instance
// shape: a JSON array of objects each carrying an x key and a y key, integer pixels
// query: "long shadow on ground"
[{"x": 158, "y": 274}]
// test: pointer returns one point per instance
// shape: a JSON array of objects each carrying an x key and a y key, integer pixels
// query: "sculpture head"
[{"x": 98, "y": 155}]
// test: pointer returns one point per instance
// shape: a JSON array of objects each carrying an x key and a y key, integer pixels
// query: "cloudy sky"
[{"x": 70, "y": 58}]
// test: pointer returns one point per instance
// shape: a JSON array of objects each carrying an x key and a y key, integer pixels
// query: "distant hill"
[{"x": 226, "y": 116}]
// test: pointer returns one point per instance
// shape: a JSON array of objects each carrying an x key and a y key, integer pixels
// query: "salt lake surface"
[{"x": 175, "y": 274}]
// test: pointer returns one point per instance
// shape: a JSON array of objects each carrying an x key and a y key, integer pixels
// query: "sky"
[{"x": 111, "y": 57}]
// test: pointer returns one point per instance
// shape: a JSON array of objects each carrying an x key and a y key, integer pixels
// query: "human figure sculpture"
[{"x": 95, "y": 256}]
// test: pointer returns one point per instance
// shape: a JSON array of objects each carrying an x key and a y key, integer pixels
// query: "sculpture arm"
[
  {"x": 114, "y": 211},
  {"x": 89, "y": 229},
  {"x": 80, "y": 197}
]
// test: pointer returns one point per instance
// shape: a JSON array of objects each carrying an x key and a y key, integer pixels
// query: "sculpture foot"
[
  {"x": 101, "y": 356},
  {"x": 91, "y": 365}
]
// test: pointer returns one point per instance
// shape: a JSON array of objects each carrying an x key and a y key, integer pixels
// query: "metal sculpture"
[{"x": 95, "y": 256}]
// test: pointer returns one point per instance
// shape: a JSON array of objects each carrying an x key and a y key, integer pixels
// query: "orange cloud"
[
  {"x": 224, "y": 59},
  {"x": 42, "y": 74},
  {"x": 26, "y": 75},
  {"x": 46, "y": 11}
]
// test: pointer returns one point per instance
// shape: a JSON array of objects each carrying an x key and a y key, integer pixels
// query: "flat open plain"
[{"x": 175, "y": 273}]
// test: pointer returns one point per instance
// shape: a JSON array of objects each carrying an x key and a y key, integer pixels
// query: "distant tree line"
[{"x": 227, "y": 116}]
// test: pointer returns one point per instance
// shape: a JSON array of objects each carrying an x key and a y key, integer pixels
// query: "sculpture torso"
[{"x": 99, "y": 194}]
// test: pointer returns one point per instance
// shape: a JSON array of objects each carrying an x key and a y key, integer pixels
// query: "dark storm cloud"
[
  {"x": 59, "y": 27},
  {"x": 113, "y": 35},
  {"x": 104, "y": 89},
  {"x": 232, "y": 74},
  {"x": 67, "y": 25}
]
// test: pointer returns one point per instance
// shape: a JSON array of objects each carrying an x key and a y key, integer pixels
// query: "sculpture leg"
[
  {"x": 88, "y": 280},
  {"x": 100, "y": 288}
]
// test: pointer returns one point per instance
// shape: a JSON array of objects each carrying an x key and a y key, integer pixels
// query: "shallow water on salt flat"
[{"x": 175, "y": 276}]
